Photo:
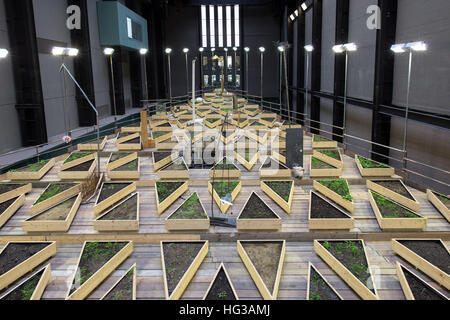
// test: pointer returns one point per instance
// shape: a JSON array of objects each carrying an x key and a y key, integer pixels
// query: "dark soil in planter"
[
  {"x": 331, "y": 153},
  {"x": 369, "y": 164},
  {"x": 110, "y": 189},
  {"x": 94, "y": 256},
  {"x": 257, "y": 124},
  {"x": 390, "y": 209},
  {"x": 168, "y": 141},
  {"x": 54, "y": 189},
  {"x": 118, "y": 155},
  {"x": 352, "y": 255},
  {"x": 158, "y": 134},
  {"x": 178, "y": 257},
  {"x": 445, "y": 200},
  {"x": 25, "y": 290},
  {"x": 16, "y": 253},
  {"x": 34, "y": 167},
  {"x": 130, "y": 166},
  {"x": 57, "y": 213},
  {"x": 85, "y": 166},
  {"x": 125, "y": 211},
  {"x": 394, "y": 185},
  {"x": 265, "y": 256},
  {"x": 321, "y": 209},
  {"x": 319, "y": 289},
  {"x": 5, "y": 205},
  {"x": 6, "y": 187},
  {"x": 431, "y": 250},
  {"x": 419, "y": 289},
  {"x": 271, "y": 164},
  {"x": 165, "y": 189},
  {"x": 319, "y": 164},
  {"x": 190, "y": 209},
  {"x": 212, "y": 120},
  {"x": 176, "y": 165},
  {"x": 123, "y": 290},
  {"x": 133, "y": 141},
  {"x": 221, "y": 288},
  {"x": 282, "y": 188},
  {"x": 224, "y": 187},
  {"x": 164, "y": 125},
  {"x": 158, "y": 156},
  {"x": 226, "y": 165},
  {"x": 339, "y": 186},
  {"x": 125, "y": 134},
  {"x": 257, "y": 209}
]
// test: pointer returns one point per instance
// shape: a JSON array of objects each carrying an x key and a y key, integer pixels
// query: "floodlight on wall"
[
  {"x": 338, "y": 48},
  {"x": 417, "y": 46},
  {"x": 108, "y": 51},
  {"x": 213, "y": 49},
  {"x": 296, "y": 12},
  {"x": 262, "y": 49},
  {"x": 398, "y": 48},
  {"x": 350, "y": 46},
  {"x": 60, "y": 51},
  {"x": 234, "y": 49},
  {"x": 247, "y": 49},
  {"x": 225, "y": 49},
  {"x": 201, "y": 49},
  {"x": 281, "y": 48},
  {"x": 3, "y": 53},
  {"x": 143, "y": 51},
  {"x": 292, "y": 17},
  {"x": 185, "y": 50},
  {"x": 168, "y": 50},
  {"x": 304, "y": 6},
  {"x": 309, "y": 48}
]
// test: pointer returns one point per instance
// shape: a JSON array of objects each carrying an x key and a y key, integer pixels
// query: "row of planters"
[{"x": 263, "y": 260}]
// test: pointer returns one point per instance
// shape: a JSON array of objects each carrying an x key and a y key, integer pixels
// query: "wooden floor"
[{"x": 299, "y": 253}]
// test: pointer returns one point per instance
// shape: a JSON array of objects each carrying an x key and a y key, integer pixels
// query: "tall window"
[{"x": 227, "y": 32}]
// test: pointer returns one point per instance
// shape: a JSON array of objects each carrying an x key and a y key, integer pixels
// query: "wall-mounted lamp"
[
  {"x": 3, "y": 53},
  {"x": 68, "y": 52}
]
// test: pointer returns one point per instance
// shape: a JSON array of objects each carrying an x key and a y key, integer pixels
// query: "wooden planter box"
[
  {"x": 284, "y": 127},
  {"x": 133, "y": 293},
  {"x": 162, "y": 128},
  {"x": 336, "y": 163},
  {"x": 9, "y": 212},
  {"x": 373, "y": 172},
  {"x": 308, "y": 282},
  {"x": 435, "y": 273},
  {"x": 229, "y": 138},
  {"x": 188, "y": 275},
  {"x": 126, "y": 138},
  {"x": 32, "y": 225},
  {"x": 126, "y": 175},
  {"x": 259, "y": 126},
  {"x": 174, "y": 174},
  {"x": 274, "y": 173},
  {"x": 163, "y": 162},
  {"x": 329, "y": 223},
  {"x": 286, "y": 206},
  {"x": 118, "y": 225},
  {"x": 352, "y": 281},
  {"x": 324, "y": 173},
  {"x": 160, "y": 116},
  {"x": 438, "y": 204},
  {"x": 324, "y": 144},
  {"x": 224, "y": 174},
  {"x": 213, "y": 124},
  {"x": 108, "y": 202},
  {"x": 405, "y": 285},
  {"x": 78, "y": 175},
  {"x": 279, "y": 142},
  {"x": 202, "y": 112},
  {"x": 223, "y": 206},
  {"x": 29, "y": 264},
  {"x": 182, "y": 125},
  {"x": 247, "y": 164},
  {"x": 255, "y": 135},
  {"x": 130, "y": 129},
  {"x": 166, "y": 136},
  {"x": 347, "y": 205},
  {"x": 278, "y": 156},
  {"x": 154, "y": 123},
  {"x": 57, "y": 198},
  {"x": 167, "y": 144},
  {"x": 266, "y": 121},
  {"x": 127, "y": 146},
  {"x": 411, "y": 204},
  {"x": 120, "y": 162},
  {"x": 176, "y": 114},
  {"x": 221, "y": 267},
  {"x": 92, "y": 146},
  {"x": 100, "y": 275},
  {"x": 171, "y": 199},
  {"x": 187, "y": 224},
  {"x": 16, "y": 192},
  {"x": 38, "y": 291},
  {"x": 74, "y": 163},
  {"x": 25, "y": 176},
  {"x": 256, "y": 224},
  {"x": 263, "y": 290},
  {"x": 419, "y": 223},
  {"x": 252, "y": 113}
]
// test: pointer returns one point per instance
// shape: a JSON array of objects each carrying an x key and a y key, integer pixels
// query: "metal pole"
[
  {"x": 246, "y": 72},
  {"x": 281, "y": 78},
  {"x": 345, "y": 100},
  {"x": 262, "y": 77},
  {"x": 235, "y": 80},
  {"x": 187, "y": 75},
  {"x": 114, "y": 92},
  {"x": 202, "y": 78},
  {"x": 170, "y": 81},
  {"x": 226, "y": 67},
  {"x": 306, "y": 87},
  {"x": 145, "y": 77},
  {"x": 287, "y": 88},
  {"x": 405, "y": 134},
  {"x": 65, "y": 100}
]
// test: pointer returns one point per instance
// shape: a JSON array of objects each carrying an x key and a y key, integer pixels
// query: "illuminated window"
[
  {"x": 204, "y": 28},
  {"x": 237, "y": 38},
  {"x": 229, "y": 36},
  {"x": 227, "y": 32},
  {"x": 212, "y": 30},
  {"x": 220, "y": 25}
]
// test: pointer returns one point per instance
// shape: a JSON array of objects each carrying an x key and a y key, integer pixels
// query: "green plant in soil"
[
  {"x": 281, "y": 188},
  {"x": 222, "y": 295},
  {"x": 28, "y": 289},
  {"x": 317, "y": 283},
  {"x": 254, "y": 124},
  {"x": 319, "y": 164},
  {"x": 165, "y": 189},
  {"x": 225, "y": 165},
  {"x": 119, "y": 155},
  {"x": 318, "y": 138},
  {"x": 132, "y": 165},
  {"x": 34, "y": 167},
  {"x": 391, "y": 210},
  {"x": 369, "y": 164},
  {"x": 188, "y": 209},
  {"x": 224, "y": 187},
  {"x": 77, "y": 155},
  {"x": 339, "y": 186},
  {"x": 212, "y": 120},
  {"x": 52, "y": 190},
  {"x": 331, "y": 153},
  {"x": 158, "y": 134},
  {"x": 443, "y": 199}
]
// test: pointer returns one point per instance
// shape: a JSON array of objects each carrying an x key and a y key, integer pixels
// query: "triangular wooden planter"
[
  {"x": 87, "y": 156},
  {"x": 26, "y": 176},
  {"x": 373, "y": 172},
  {"x": 187, "y": 224},
  {"x": 223, "y": 206},
  {"x": 317, "y": 153},
  {"x": 352, "y": 281},
  {"x": 57, "y": 198},
  {"x": 84, "y": 290},
  {"x": 16, "y": 203},
  {"x": 329, "y": 223},
  {"x": 93, "y": 146},
  {"x": 221, "y": 267},
  {"x": 214, "y": 124},
  {"x": 259, "y": 282},
  {"x": 256, "y": 125},
  {"x": 16, "y": 190},
  {"x": 252, "y": 110},
  {"x": 188, "y": 274},
  {"x": 268, "y": 121},
  {"x": 325, "y": 172},
  {"x": 247, "y": 164},
  {"x": 129, "y": 145},
  {"x": 347, "y": 205},
  {"x": 38, "y": 291},
  {"x": 411, "y": 204},
  {"x": 268, "y": 173},
  {"x": 162, "y": 127},
  {"x": 126, "y": 158},
  {"x": 133, "y": 292},
  {"x": 224, "y": 174},
  {"x": 104, "y": 225},
  {"x": 308, "y": 288},
  {"x": 278, "y": 142},
  {"x": 435, "y": 273},
  {"x": 131, "y": 128},
  {"x": 163, "y": 161},
  {"x": 409, "y": 294},
  {"x": 167, "y": 173},
  {"x": 434, "y": 199},
  {"x": 161, "y": 137},
  {"x": 279, "y": 155},
  {"x": 329, "y": 144},
  {"x": 172, "y": 198},
  {"x": 260, "y": 136},
  {"x": 286, "y": 206},
  {"x": 168, "y": 144},
  {"x": 27, "y": 265},
  {"x": 33, "y": 225},
  {"x": 64, "y": 174},
  {"x": 113, "y": 199},
  {"x": 274, "y": 223},
  {"x": 123, "y": 175},
  {"x": 417, "y": 223}
]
